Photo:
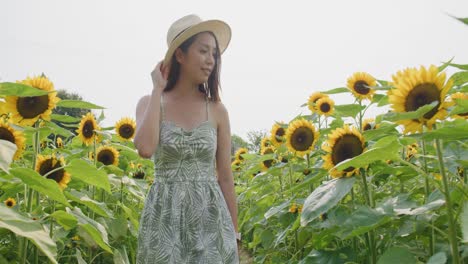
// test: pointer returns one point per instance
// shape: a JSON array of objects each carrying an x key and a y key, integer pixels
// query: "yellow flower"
[
  {"x": 299, "y": 209},
  {"x": 8, "y": 133},
  {"x": 368, "y": 124},
  {"x": 27, "y": 110},
  {"x": 301, "y": 137},
  {"x": 125, "y": 128},
  {"x": 325, "y": 106},
  {"x": 139, "y": 174},
  {"x": 265, "y": 143},
  {"x": 108, "y": 155},
  {"x": 459, "y": 96},
  {"x": 343, "y": 143},
  {"x": 59, "y": 142},
  {"x": 132, "y": 165},
  {"x": 266, "y": 164},
  {"x": 360, "y": 84},
  {"x": 437, "y": 176},
  {"x": 76, "y": 238},
  {"x": 313, "y": 98},
  {"x": 416, "y": 88},
  {"x": 411, "y": 150},
  {"x": 86, "y": 129},
  {"x": 45, "y": 164},
  {"x": 10, "y": 202},
  {"x": 277, "y": 134},
  {"x": 293, "y": 208},
  {"x": 239, "y": 152},
  {"x": 235, "y": 165}
]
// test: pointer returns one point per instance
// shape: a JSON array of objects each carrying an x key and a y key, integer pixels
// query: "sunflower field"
[{"x": 338, "y": 184}]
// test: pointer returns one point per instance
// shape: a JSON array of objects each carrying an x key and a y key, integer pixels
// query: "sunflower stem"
[
  {"x": 427, "y": 191},
  {"x": 281, "y": 185},
  {"x": 51, "y": 231},
  {"x": 452, "y": 226},
  {"x": 370, "y": 234}
]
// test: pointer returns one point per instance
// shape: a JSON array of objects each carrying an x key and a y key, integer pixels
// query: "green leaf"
[
  {"x": 94, "y": 229},
  {"x": 350, "y": 110},
  {"x": 87, "y": 173},
  {"x": 459, "y": 78},
  {"x": 445, "y": 65},
  {"x": 363, "y": 220},
  {"x": 438, "y": 258},
  {"x": 65, "y": 118},
  {"x": 121, "y": 256},
  {"x": 65, "y": 219},
  {"x": 58, "y": 130},
  {"x": 47, "y": 187},
  {"x": 396, "y": 255},
  {"x": 393, "y": 116},
  {"x": 98, "y": 207},
  {"x": 132, "y": 215},
  {"x": 22, "y": 90},
  {"x": 385, "y": 149},
  {"x": 454, "y": 131},
  {"x": 32, "y": 230},
  {"x": 78, "y": 104},
  {"x": 337, "y": 90},
  {"x": 325, "y": 197},
  {"x": 459, "y": 66},
  {"x": 340, "y": 256},
  {"x": 7, "y": 152},
  {"x": 461, "y": 107},
  {"x": 276, "y": 209}
]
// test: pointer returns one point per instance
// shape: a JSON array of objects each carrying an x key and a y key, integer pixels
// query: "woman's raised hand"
[{"x": 159, "y": 76}]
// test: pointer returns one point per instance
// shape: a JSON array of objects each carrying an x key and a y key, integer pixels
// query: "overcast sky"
[{"x": 280, "y": 53}]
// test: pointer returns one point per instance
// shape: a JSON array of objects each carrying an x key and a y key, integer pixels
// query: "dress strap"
[{"x": 162, "y": 108}]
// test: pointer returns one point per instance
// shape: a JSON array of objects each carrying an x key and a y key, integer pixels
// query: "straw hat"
[{"x": 190, "y": 25}]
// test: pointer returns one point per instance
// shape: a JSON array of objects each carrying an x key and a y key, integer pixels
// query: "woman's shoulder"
[{"x": 218, "y": 108}]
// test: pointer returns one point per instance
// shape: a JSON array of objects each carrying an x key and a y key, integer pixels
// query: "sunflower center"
[
  {"x": 126, "y": 131},
  {"x": 346, "y": 147},
  {"x": 361, "y": 87},
  {"x": 106, "y": 157},
  {"x": 88, "y": 128},
  {"x": 30, "y": 107},
  {"x": 9, "y": 203},
  {"x": 421, "y": 95},
  {"x": 139, "y": 175},
  {"x": 47, "y": 166},
  {"x": 5, "y": 134},
  {"x": 302, "y": 138},
  {"x": 367, "y": 127},
  {"x": 280, "y": 132},
  {"x": 325, "y": 107}
]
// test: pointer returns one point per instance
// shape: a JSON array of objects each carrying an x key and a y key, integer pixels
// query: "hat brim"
[{"x": 220, "y": 29}]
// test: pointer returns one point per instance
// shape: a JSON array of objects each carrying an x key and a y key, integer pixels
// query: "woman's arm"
[
  {"x": 223, "y": 161},
  {"x": 147, "y": 115}
]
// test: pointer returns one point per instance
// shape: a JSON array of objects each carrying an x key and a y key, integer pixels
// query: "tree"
[
  {"x": 236, "y": 143},
  {"x": 255, "y": 138}
]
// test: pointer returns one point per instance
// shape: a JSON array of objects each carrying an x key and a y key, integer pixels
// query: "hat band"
[{"x": 179, "y": 34}]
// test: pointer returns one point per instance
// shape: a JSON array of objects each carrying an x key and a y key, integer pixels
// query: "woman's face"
[{"x": 200, "y": 60}]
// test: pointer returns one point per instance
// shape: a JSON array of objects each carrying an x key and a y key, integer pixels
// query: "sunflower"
[
  {"x": 299, "y": 208},
  {"x": 239, "y": 152},
  {"x": 10, "y": 202},
  {"x": 107, "y": 155},
  {"x": 416, "y": 88},
  {"x": 325, "y": 106},
  {"x": 86, "y": 129},
  {"x": 277, "y": 134},
  {"x": 313, "y": 98},
  {"x": 125, "y": 128},
  {"x": 265, "y": 143},
  {"x": 45, "y": 164},
  {"x": 139, "y": 174},
  {"x": 368, "y": 124},
  {"x": 301, "y": 137},
  {"x": 59, "y": 142},
  {"x": 27, "y": 110},
  {"x": 360, "y": 84},
  {"x": 132, "y": 165},
  {"x": 236, "y": 165},
  {"x": 460, "y": 96},
  {"x": 293, "y": 208},
  {"x": 343, "y": 143},
  {"x": 411, "y": 150},
  {"x": 14, "y": 136},
  {"x": 266, "y": 164}
]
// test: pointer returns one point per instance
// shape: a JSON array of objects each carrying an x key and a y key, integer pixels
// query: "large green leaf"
[
  {"x": 397, "y": 255},
  {"x": 340, "y": 256},
  {"x": 459, "y": 78},
  {"x": 461, "y": 107},
  {"x": 78, "y": 104},
  {"x": 65, "y": 118},
  {"x": 94, "y": 229},
  {"x": 82, "y": 170},
  {"x": 65, "y": 219},
  {"x": 363, "y": 220},
  {"x": 464, "y": 222},
  {"x": 32, "y": 230},
  {"x": 276, "y": 209},
  {"x": 98, "y": 207},
  {"x": 455, "y": 131},
  {"x": 325, "y": 197},
  {"x": 394, "y": 116},
  {"x": 438, "y": 258},
  {"x": 384, "y": 149},
  {"x": 19, "y": 89},
  {"x": 121, "y": 256},
  {"x": 350, "y": 110},
  {"x": 7, "y": 152},
  {"x": 34, "y": 180},
  {"x": 337, "y": 90}
]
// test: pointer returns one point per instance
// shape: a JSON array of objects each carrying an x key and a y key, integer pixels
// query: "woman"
[{"x": 184, "y": 124}]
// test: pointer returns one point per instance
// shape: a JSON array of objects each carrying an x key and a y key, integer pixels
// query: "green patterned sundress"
[{"x": 185, "y": 218}]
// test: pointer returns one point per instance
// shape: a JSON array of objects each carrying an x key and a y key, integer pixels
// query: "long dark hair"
[{"x": 212, "y": 86}]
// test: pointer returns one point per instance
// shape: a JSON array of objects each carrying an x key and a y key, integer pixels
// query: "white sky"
[{"x": 279, "y": 54}]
